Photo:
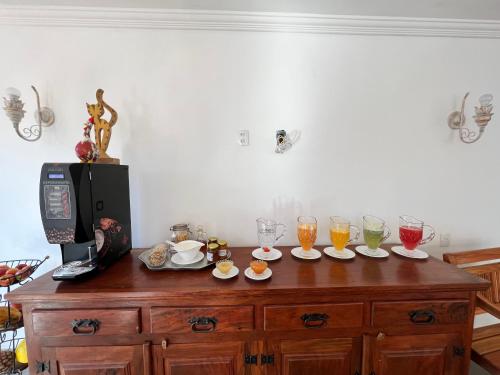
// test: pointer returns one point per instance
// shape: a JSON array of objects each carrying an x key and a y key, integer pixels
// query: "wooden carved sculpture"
[{"x": 102, "y": 127}]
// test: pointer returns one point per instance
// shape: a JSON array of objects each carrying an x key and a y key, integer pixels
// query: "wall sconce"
[
  {"x": 456, "y": 120},
  {"x": 13, "y": 107},
  {"x": 285, "y": 141}
]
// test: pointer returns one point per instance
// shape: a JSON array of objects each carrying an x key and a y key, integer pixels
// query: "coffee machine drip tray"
[{"x": 73, "y": 270}]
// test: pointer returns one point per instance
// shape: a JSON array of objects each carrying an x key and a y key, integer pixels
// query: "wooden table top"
[{"x": 129, "y": 278}]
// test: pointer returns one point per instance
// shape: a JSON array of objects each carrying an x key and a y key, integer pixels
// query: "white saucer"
[
  {"x": 259, "y": 253},
  {"x": 176, "y": 258},
  {"x": 312, "y": 254},
  {"x": 232, "y": 273},
  {"x": 379, "y": 253},
  {"x": 252, "y": 275},
  {"x": 415, "y": 254},
  {"x": 344, "y": 254}
]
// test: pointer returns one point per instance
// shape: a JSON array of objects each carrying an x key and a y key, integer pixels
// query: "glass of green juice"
[{"x": 375, "y": 231}]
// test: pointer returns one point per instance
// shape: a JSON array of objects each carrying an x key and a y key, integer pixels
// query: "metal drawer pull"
[
  {"x": 311, "y": 320},
  {"x": 267, "y": 359},
  {"x": 86, "y": 324},
  {"x": 422, "y": 316},
  {"x": 203, "y": 324},
  {"x": 250, "y": 359}
]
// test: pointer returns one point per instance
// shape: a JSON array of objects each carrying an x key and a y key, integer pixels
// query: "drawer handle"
[
  {"x": 203, "y": 324},
  {"x": 85, "y": 324},
  {"x": 422, "y": 316},
  {"x": 311, "y": 320}
]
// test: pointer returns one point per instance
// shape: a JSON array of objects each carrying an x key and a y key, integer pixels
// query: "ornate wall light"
[
  {"x": 285, "y": 141},
  {"x": 456, "y": 120},
  {"x": 14, "y": 108}
]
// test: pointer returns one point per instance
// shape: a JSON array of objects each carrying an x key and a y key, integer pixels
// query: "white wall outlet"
[
  {"x": 444, "y": 240},
  {"x": 244, "y": 138}
]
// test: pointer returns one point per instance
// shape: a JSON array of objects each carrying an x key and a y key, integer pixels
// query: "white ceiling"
[{"x": 459, "y": 9}]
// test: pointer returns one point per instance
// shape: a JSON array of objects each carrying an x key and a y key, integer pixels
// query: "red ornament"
[
  {"x": 91, "y": 120},
  {"x": 86, "y": 150}
]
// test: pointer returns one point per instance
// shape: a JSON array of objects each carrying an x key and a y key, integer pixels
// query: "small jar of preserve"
[
  {"x": 212, "y": 249},
  {"x": 222, "y": 248}
]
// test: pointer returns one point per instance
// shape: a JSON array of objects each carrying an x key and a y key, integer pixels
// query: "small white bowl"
[{"x": 188, "y": 250}]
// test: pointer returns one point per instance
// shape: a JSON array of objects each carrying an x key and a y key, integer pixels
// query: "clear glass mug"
[
  {"x": 267, "y": 232},
  {"x": 340, "y": 232},
  {"x": 411, "y": 232},
  {"x": 307, "y": 230},
  {"x": 375, "y": 231}
]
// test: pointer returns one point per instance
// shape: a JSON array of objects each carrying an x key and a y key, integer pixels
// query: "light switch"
[
  {"x": 244, "y": 138},
  {"x": 444, "y": 240}
]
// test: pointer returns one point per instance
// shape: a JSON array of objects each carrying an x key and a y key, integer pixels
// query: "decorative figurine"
[
  {"x": 86, "y": 150},
  {"x": 102, "y": 127}
]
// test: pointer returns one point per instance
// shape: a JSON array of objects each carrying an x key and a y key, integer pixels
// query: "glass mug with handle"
[
  {"x": 267, "y": 232},
  {"x": 340, "y": 232},
  {"x": 375, "y": 231},
  {"x": 307, "y": 230},
  {"x": 411, "y": 232}
]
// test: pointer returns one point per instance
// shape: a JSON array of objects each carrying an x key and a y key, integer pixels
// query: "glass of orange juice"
[
  {"x": 340, "y": 232},
  {"x": 307, "y": 230}
]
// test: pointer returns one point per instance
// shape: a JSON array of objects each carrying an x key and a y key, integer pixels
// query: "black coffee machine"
[{"x": 86, "y": 209}]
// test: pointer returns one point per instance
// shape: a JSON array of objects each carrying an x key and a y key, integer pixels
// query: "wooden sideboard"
[{"x": 364, "y": 316}]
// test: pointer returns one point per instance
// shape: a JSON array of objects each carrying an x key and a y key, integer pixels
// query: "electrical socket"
[
  {"x": 244, "y": 137},
  {"x": 444, "y": 240}
]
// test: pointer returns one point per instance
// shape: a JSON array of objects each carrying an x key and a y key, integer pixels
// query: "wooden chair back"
[{"x": 485, "y": 264}]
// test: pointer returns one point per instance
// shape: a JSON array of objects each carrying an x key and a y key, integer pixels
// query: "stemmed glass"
[
  {"x": 307, "y": 230},
  {"x": 341, "y": 234}
]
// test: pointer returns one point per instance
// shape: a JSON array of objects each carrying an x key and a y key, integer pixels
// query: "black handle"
[
  {"x": 314, "y": 320},
  {"x": 203, "y": 324},
  {"x": 458, "y": 351},
  {"x": 250, "y": 359},
  {"x": 422, "y": 316},
  {"x": 85, "y": 327},
  {"x": 267, "y": 359}
]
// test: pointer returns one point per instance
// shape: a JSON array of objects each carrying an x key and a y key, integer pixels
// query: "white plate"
[
  {"x": 415, "y": 254},
  {"x": 378, "y": 253},
  {"x": 344, "y": 254},
  {"x": 311, "y": 254},
  {"x": 274, "y": 254},
  {"x": 232, "y": 273},
  {"x": 263, "y": 276},
  {"x": 176, "y": 258}
]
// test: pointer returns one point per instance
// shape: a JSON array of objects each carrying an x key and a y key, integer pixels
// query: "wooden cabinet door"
[
  {"x": 209, "y": 358},
  {"x": 434, "y": 354},
  {"x": 98, "y": 360},
  {"x": 316, "y": 356}
]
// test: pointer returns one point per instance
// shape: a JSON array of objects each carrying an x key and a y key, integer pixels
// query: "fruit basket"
[
  {"x": 18, "y": 271},
  {"x": 11, "y": 317},
  {"x": 13, "y": 272},
  {"x": 8, "y": 362}
]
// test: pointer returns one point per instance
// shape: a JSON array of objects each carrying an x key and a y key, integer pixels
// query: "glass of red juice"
[{"x": 411, "y": 232}]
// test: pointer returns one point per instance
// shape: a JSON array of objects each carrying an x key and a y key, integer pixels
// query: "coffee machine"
[{"x": 85, "y": 208}]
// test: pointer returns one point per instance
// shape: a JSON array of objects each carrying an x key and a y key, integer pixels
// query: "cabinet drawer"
[
  {"x": 202, "y": 319},
  {"x": 338, "y": 315},
  {"x": 99, "y": 322},
  {"x": 419, "y": 313}
]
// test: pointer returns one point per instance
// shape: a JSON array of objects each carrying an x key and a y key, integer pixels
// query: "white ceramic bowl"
[{"x": 187, "y": 250}]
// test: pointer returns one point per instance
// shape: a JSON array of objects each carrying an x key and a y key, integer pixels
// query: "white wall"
[{"x": 372, "y": 111}]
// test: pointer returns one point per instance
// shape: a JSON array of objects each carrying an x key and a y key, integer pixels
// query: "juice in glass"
[
  {"x": 373, "y": 238},
  {"x": 307, "y": 229},
  {"x": 307, "y": 235},
  {"x": 339, "y": 238}
]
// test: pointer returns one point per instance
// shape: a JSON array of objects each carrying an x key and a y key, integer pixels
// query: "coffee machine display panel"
[{"x": 57, "y": 202}]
